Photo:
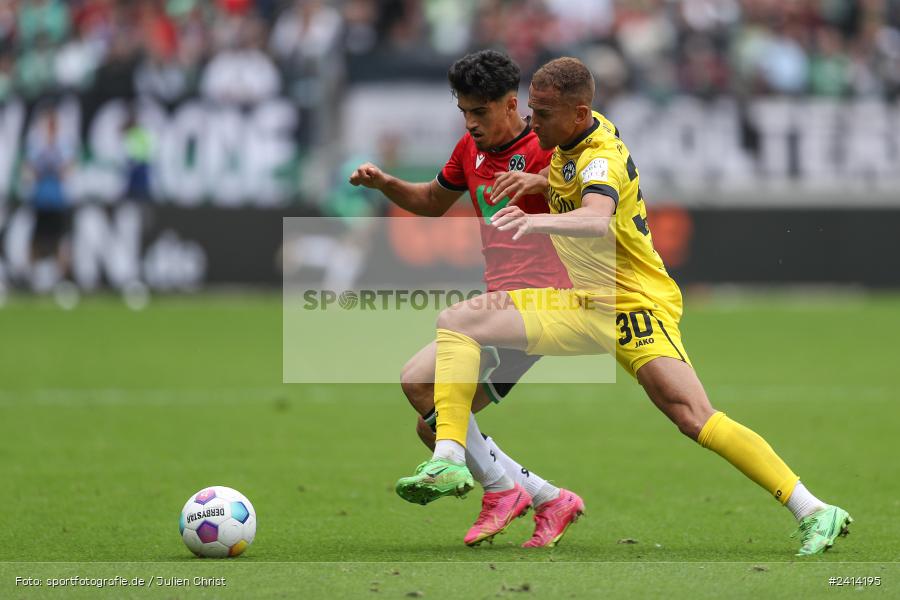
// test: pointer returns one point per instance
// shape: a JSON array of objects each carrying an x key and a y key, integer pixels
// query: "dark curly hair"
[
  {"x": 569, "y": 77},
  {"x": 486, "y": 75}
]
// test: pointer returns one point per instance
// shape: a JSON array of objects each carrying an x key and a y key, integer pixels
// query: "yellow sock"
[
  {"x": 750, "y": 454},
  {"x": 455, "y": 380}
]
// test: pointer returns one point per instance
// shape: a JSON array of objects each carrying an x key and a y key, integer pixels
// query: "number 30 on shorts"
[{"x": 634, "y": 324}]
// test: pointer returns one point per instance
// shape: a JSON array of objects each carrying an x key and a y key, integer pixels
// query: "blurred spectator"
[
  {"x": 702, "y": 68},
  {"x": 78, "y": 59},
  {"x": 525, "y": 31},
  {"x": 608, "y": 65},
  {"x": 237, "y": 50},
  {"x": 42, "y": 18},
  {"x": 95, "y": 19},
  {"x": 49, "y": 156},
  {"x": 448, "y": 22},
  {"x": 138, "y": 154},
  {"x": 236, "y": 7},
  {"x": 784, "y": 63},
  {"x": 521, "y": 29},
  {"x": 115, "y": 77},
  {"x": 243, "y": 73},
  {"x": 161, "y": 77},
  {"x": 171, "y": 52},
  {"x": 354, "y": 202},
  {"x": 7, "y": 75},
  {"x": 306, "y": 39},
  {"x": 35, "y": 72},
  {"x": 878, "y": 48},
  {"x": 402, "y": 26},
  {"x": 647, "y": 35},
  {"x": 156, "y": 29},
  {"x": 830, "y": 69},
  {"x": 308, "y": 30},
  {"x": 360, "y": 17},
  {"x": 581, "y": 21},
  {"x": 710, "y": 16},
  {"x": 160, "y": 74},
  {"x": 7, "y": 23}
]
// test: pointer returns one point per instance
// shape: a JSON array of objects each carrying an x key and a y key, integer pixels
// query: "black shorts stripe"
[
  {"x": 500, "y": 389},
  {"x": 513, "y": 365},
  {"x": 663, "y": 327}
]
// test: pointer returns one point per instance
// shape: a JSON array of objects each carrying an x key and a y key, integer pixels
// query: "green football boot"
[
  {"x": 819, "y": 530},
  {"x": 434, "y": 479}
]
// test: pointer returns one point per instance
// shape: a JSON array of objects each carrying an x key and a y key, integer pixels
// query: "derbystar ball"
[{"x": 217, "y": 522}]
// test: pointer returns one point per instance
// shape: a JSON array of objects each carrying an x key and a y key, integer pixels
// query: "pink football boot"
[
  {"x": 498, "y": 509},
  {"x": 552, "y": 518}
]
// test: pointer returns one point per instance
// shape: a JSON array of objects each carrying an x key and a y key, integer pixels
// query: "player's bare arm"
[
  {"x": 516, "y": 184},
  {"x": 424, "y": 199},
  {"x": 590, "y": 220}
]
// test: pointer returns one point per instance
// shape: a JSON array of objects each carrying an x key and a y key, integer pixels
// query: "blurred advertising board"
[
  {"x": 723, "y": 153},
  {"x": 170, "y": 248}
]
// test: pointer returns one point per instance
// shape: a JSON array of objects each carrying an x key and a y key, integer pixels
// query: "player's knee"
[
  {"x": 420, "y": 395},
  {"x": 459, "y": 318},
  {"x": 687, "y": 413},
  {"x": 689, "y": 420},
  {"x": 416, "y": 388},
  {"x": 689, "y": 428},
  {"x": 449, "y": 318}
]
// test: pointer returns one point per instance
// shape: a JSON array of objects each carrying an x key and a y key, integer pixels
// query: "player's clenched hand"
[
  {"x": 516, "y": 184},
  {"x": 368, "y": 175},
  {"x": 513, "y": 218}
]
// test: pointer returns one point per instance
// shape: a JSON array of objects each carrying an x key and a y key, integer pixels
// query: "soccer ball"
[{"x": 217, "y": 522}]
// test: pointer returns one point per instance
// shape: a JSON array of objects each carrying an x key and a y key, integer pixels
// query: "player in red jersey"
[{"x": 498, "y": 140}]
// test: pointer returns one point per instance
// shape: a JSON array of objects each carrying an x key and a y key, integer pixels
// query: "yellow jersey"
[{"x": 599, "y": 162}]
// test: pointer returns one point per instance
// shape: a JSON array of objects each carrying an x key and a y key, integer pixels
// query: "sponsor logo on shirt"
[
  {"x": 568, "y": 171},
  {"x": 517, "y": 163}
]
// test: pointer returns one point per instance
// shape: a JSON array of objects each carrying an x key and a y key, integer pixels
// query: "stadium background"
[
  {"x": 768, "y": 138},
  {"x": 188, "y": 129}
]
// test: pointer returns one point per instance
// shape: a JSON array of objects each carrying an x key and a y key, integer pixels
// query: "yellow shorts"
[{"x": 571, "y": 322}]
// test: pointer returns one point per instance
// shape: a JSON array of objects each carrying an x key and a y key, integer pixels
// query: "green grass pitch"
[{"x": 110, "y": 419}]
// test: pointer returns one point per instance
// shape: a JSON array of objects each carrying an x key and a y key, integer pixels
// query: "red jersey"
[{"x": 531, "y": 261}]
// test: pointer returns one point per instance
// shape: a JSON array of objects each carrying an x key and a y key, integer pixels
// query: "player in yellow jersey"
[{"x": 622, "y": 301}]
